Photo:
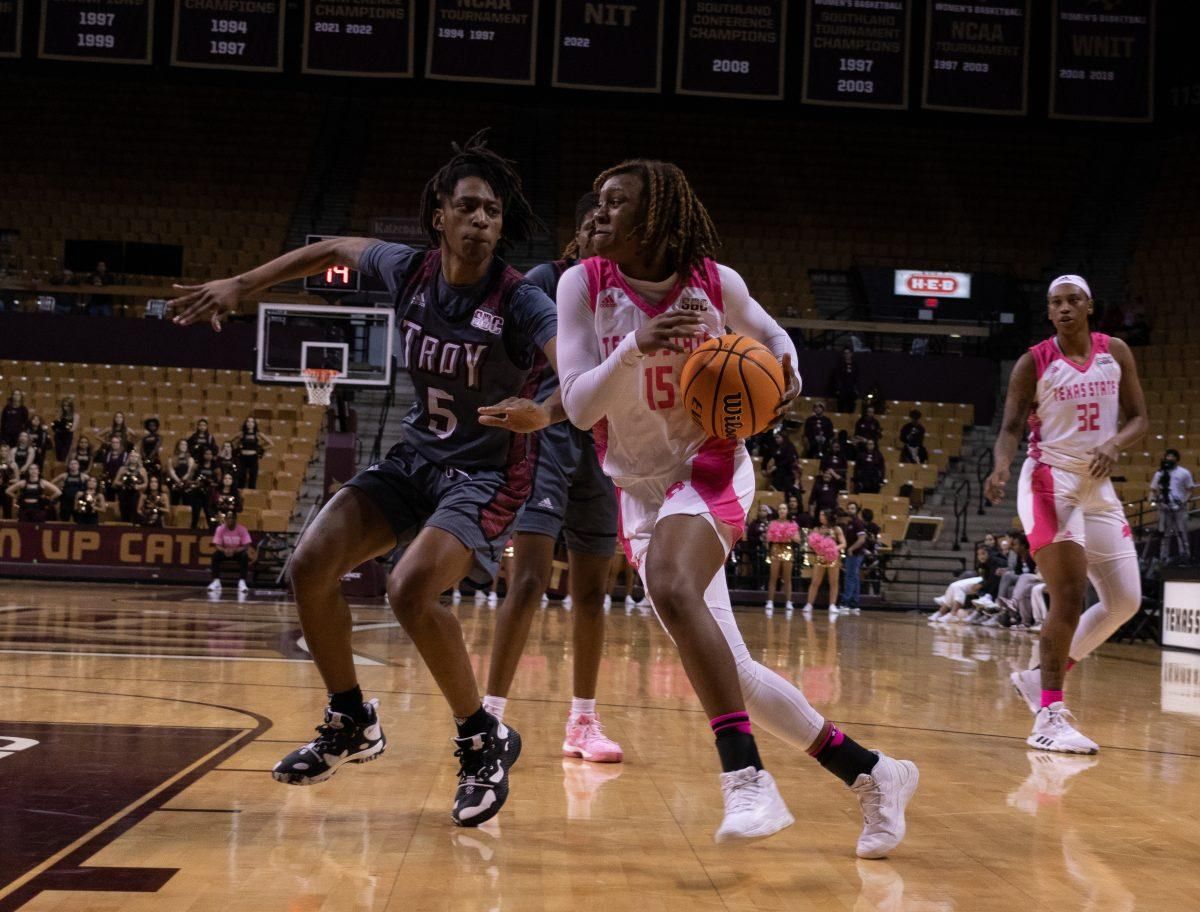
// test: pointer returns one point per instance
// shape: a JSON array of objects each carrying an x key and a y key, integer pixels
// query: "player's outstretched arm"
[
  {"x": 1133, "y": 407},
  {"x": 213, "y": 300},
  {"x": 1022, "y": 387},
  {"x": 525, "y": 416}
]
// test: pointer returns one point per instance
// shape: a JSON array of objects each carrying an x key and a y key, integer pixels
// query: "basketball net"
[{"x": 319, "y": 382}]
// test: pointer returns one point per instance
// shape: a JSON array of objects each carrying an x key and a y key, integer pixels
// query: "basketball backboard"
[{"x": 357, "y": 342}]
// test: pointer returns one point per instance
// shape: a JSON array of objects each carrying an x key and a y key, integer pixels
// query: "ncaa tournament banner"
[
  {"x": 228, "y": 34},
  {"x": 612, "y": 46},
  {"x": 732, "y": 49},
  {"x": 107, "y": 31},
  {"x": 856, "y": 53},
  {"x": 1102, "y": 60},
  {"x": 10, "y": 27},
  {"x": 358, "y": 38},
  {"x": 482, "y": 40},
  {"x": 977, "y": 56}
]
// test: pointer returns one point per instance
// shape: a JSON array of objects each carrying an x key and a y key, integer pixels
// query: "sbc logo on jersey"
[
  {"x": 1105, "y": 359},
  {"x": 488, "y": 322},
  {"x": 693, "y": 305}
]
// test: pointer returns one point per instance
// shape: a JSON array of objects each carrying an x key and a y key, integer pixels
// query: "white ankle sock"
[
  {"x": 583, "y": 707},
  {"x": 495, "y": 705}
]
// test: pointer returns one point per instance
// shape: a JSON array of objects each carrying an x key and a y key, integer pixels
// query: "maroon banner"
[{"x": 106, "y": 552}]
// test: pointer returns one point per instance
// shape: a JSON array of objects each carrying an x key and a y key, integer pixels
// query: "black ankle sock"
[
  {"x": 737, "y": 750},
  {"x": 349, "y": 703},
  {"x": 476, "y": 723},
  {"x": 845, "y": 757}
]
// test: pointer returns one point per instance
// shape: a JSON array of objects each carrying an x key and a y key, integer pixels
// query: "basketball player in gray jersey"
[
  {"x": 570, "y": 493},
  {"x": 471, "y": 328}
]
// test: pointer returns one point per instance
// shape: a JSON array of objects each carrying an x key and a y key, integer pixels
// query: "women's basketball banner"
[
  {"x": 614, "y": 46},
  {"x": 482, "y": 40},
  {"x": 358, "y": 37},
  {"x": 228, "y": 34},
  {"x": 856, "y": 53},
  {"x": 10, "y": 27},
  {"x": 108, "y": 31},
  {"x": 733, "y": 49},
  {"x": 977, "y": 56},
  {"x": 1102, "y": 65}
]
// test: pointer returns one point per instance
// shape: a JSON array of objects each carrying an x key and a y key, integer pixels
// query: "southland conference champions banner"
[{"x": 731, "y": 49}]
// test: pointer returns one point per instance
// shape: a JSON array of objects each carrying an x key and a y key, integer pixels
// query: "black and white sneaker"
[
  {"x": 339, "y": 740},
  {"x": 484, "y": 762}
]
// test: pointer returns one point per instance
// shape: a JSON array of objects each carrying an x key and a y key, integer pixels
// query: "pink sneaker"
[{"x": 585, "y": 738}]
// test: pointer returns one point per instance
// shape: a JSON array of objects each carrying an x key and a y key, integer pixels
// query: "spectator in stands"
[
  {"x": 112, "y": 459},
  {"x": 180, "y": 469},
  {"x": 64, "y": 428},
  {"x": 24, "y": 454},
  {"x": 1001, "y": 562},
  {"x": 251, "y": 447},
  {"x": 154, "y": 506},
  {"x": 90, "y": 503},
  {"x": 836, "y": 462},
  {"x": 783, "y": 536},
  {"x": 872, "y": 572},
  {"x": 844, "y": 382},
  {"x": 100, "y": 305},
  {"x": 71, "y": 482},
  {"x": 201, "y": 440},
  {"x": 1171, "y": 489},
  {"x": 957, "y": 593},
  {"x": 14, "y": 419},
  {"x": 34, "y": 497},
  {"x": 39, "y": 437},
  {"x": 781, "y": 466},
  {"x": 121, "y": 429},
  {"x": 823, "y": 569},
  {"x": 129, "y": 483},
  {"x": 912, "y": 439},
  {"x": 870, "y": 471},
  {"x": 795, "y": 505},
  {"x": 83, "y": 452},
  {"x": 855, "y": 532},
  {"x": 1022, "y": 566},
  {"x": 225, "y": 497},
  {"x": 818, "y": 432},
  {"x": 231, "y": 542},
  {"x": 151, "y": 447},
  {"x": 8, "y": 474},
  {"x": 204, "y": 479},
  {"x": 824, "y": 494},
  {"x": 227, "y": 462},
  {"x": 763, "y": 445},
  {"x": 867, "y": 428},
  {"x": 756, "y": 529}
]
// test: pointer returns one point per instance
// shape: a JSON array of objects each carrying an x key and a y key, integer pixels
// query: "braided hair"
[
  {"x": 474, "y": 159},
  {"x": 587, "y": 204},
  {"x": 675, "y": 221}
]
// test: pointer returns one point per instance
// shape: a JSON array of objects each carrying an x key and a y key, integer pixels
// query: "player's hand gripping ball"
[{"x": 732, "y": 386}]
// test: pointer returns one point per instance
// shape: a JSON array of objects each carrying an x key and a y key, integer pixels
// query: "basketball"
[{"x": 731, "y": 386}]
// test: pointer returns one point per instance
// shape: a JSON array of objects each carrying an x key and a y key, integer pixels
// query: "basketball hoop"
[{"x": 319, "y": 383}]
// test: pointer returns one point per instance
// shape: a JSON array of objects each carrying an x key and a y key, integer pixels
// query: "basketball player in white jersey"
[
  {"x": 627, "y": 320},
  {"x": 1073, "y": 389}
]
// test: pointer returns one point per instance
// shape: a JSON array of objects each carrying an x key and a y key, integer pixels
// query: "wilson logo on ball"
[{"x": 731, "y": 385}]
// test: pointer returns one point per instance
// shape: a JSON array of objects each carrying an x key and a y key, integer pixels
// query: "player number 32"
[{"x": 1088, "y": 414}]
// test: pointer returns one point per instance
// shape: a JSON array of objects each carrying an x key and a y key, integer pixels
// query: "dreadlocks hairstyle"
[
  {"x": 675, "y": 221},
  {"x": 588, "y": 203},
  {"x": 474, "y": 159}
]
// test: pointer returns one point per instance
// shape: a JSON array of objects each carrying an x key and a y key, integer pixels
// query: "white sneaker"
[
  {"x": 492, "y": 599},
  {"x": 479, "y": 596},
  {"x": 883, "y": 794},
  {"x": 788, "y": 606},
  {"x": 1052, "y": 732},
  {"x": 567, "y": 603},
  {"x": 455, "y": 597},
  {"x": 214, "y": 586},
  {"x": 770, "y": 604},
  {"x": 607, "y": 602},
  {"x": 754, "y": 809},
  {"x": 807, "y": 609},
  {"x": 769, "y": 610},
  {"x": 834, "y": 609},
  {"x": 629, "y": 603},
  {"x": 645, "y": 602},
  {"x": 983, "y": 602},
  {"x": 1028, "y": 685},
  {"x": 242, "y": 587}
]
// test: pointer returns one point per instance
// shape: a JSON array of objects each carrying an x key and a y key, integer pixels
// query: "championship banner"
[
  {"x": 228, "y": 34},
  {"x": 977, "y": 56},
  {"x": 1102, "y": 60},
  {"x": 108, "y": 31},
  {"x": 731, "y": 49},
  {"x": 614, "y": 46},
  {"x": 856, "y": 53},
  {"x": 10, "y": 27},
  {"x": 106, "y": 552},
  {"x": 358, "y": 37},
  {"x": 482, "y": 40}
]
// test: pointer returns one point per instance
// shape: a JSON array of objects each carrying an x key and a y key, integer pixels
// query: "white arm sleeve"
[
  {"x": 745, "y": 315},
  {"x": 587, "y": 391}
]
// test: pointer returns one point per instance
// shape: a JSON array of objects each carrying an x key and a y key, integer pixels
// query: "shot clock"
[{"x": 335, "y": 278}]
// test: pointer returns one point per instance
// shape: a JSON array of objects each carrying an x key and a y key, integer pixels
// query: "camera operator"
[{"x": 1171, "y": 488}]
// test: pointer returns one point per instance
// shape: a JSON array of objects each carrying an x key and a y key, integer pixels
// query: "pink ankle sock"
[
  {"x": 738, "y": 721},
  {"x": 1051, "y": 696}
]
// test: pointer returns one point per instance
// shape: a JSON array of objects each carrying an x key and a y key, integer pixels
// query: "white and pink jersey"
[{"x": 1076, "y": 407}]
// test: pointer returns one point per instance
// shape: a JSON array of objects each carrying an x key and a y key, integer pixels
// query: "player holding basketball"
[
  {"x": 1072, "y": 388},
  {"x": 627, "y": 321},
  {"x": 471, "y": 328},
  {"x": 569, "y": 489}
]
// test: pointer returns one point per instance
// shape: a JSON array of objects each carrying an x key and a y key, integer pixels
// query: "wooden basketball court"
[{"x": 140, "y": 725}]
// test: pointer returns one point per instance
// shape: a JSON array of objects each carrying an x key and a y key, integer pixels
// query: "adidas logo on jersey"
[
  {"x": 608, "y": 300},
  {"x": 488, "y": 321},
  {"x": 419, "y": 300},
  {"x": 545, "y": 502}
]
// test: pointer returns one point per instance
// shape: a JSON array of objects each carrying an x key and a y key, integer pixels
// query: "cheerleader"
[
  {"x": 72, "y": 481},
  {"x": 224, "y": 499},
  {"x": 154, "y": 504},
  {"x": 151, "y": 448},
  {"x": 251, "y": 445},
  {"x": 826, "y": 544},
  {"x": 39, "y": 439},
  {"x": 227, "y": 463},
  {"x": 129, "y": 484},
  {"x": 83, "y": 453},
  {"x": 782, "y": 536},
  {"x": 24, "y": 454},
  {"x": 89, "y": 503},
  {"x": 204, "y": 479},
  {"x": 181, "y": 467},
  {"x": 63, "y": 428},
  {"x": 34, "y": 496}
]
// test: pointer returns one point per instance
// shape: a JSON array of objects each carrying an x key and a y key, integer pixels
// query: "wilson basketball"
[{"x": 731, "y": 386}]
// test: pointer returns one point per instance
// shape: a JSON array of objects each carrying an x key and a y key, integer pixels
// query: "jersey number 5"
[
  {"x": 1089, "y": 416},
  {"x": 441, "y": 421},
  {"x": 660, "y": 391}
]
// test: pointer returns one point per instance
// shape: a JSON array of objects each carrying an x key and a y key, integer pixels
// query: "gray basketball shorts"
[
  {"x": 476, "y": 506},
  {"x": 570, "y": 492}
]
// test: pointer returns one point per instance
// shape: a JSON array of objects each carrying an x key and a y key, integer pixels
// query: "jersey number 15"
[{"x": 660, "y": 389}]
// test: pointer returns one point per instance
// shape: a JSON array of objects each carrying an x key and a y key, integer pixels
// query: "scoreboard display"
[
  {"x": 856, "y": 52},
  {"x": 1102, "y": 65},
  {"x": 335, "y": 278},
  {"x": 358, "y": 38},
  {"x": 112, "y": 31},
  {"x": 228, "y": 34},
  {"x": 977, "y": 56},
  {"x": 732, "y": 50},
  {"x": 610, "y": 46},
  {"x": 482, "y": 41},
  {"x": 10, "y": 28}
]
